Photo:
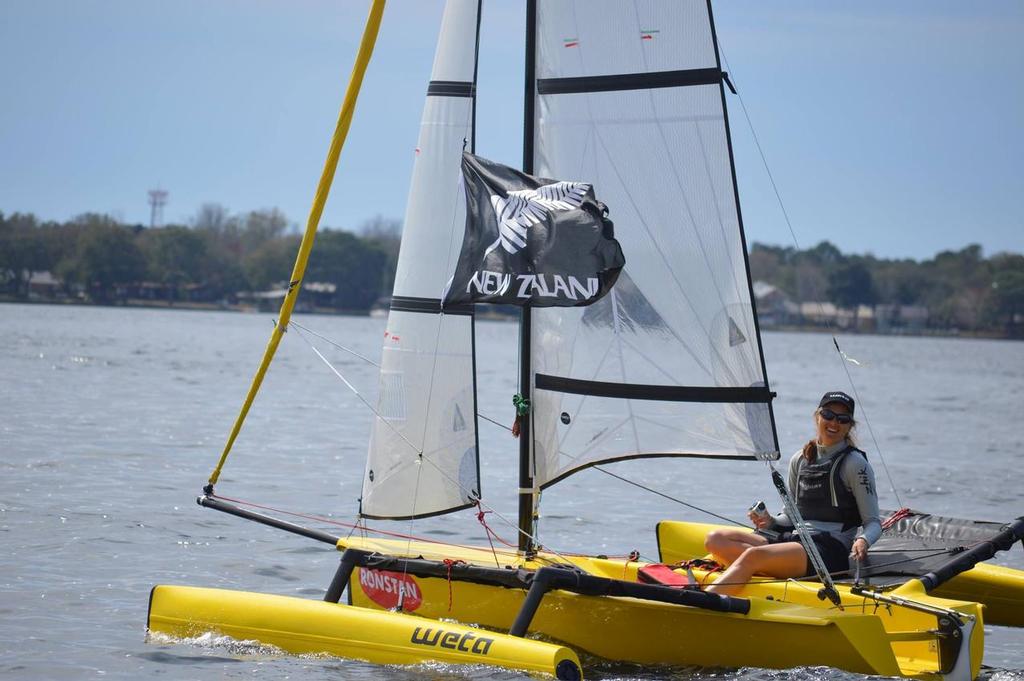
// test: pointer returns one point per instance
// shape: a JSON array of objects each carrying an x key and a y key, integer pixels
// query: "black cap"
[{"x": 837, "y": 396}]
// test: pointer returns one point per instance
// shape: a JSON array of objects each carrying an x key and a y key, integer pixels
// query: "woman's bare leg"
[
  {"x": 727, "y": 545},
  {"x": 775, "y": 560}
]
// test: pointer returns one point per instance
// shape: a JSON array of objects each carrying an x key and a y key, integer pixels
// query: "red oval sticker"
[{"x": 383, "y": 588}]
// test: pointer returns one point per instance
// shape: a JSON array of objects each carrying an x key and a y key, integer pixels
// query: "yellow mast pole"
[{"x": 322, "y": 190}]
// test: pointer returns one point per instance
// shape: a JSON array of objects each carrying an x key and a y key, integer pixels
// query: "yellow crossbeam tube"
[{"x": 322, "y": 190}]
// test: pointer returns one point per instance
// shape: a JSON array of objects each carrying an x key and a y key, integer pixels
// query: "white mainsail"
[
  {"x": 669, "y": 363},
  {"x": 423, "y": 449}
]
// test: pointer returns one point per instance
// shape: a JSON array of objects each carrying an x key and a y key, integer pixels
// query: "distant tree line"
[
  {"x": 218, "y": 255},
  {"x": 212, "y": 259},
  {"x": 961, "y": 289}
]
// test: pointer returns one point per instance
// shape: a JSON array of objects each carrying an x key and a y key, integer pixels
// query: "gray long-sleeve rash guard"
[{"x": 856, "y": 474}]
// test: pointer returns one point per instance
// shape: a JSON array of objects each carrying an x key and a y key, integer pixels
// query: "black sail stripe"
[
  {"x": 661, "y": 393},
  {"x": 450, "y": 88},
  {"x": 628, "y": 81},
  {"x": 428, "y": 306}
]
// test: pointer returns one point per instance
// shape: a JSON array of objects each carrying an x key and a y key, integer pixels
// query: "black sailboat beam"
[
  {"x": 421, "y": 567},
  {"x": 966, "y": 560},
  {"x": 227, "y": 507},
  {"x": 561, "y": 578},
  {"x": 341, "y": 577},
  {"x": 538, "y": 589}
]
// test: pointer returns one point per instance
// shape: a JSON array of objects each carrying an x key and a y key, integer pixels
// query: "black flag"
[{"x": 532, "y": 241}]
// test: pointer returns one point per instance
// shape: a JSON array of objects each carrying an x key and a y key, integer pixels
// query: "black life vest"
[{"x": 821, "y": 494}]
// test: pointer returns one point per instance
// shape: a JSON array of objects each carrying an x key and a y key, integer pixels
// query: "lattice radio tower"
[{"x": 157, "y": 199}]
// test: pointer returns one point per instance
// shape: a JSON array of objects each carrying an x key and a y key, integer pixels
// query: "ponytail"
[{"x": 810, "y": 452}]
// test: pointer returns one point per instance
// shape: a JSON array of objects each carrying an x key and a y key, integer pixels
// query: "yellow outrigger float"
[
  {"x": 303, "y": 626},
  {"x": 668, "y": 363}
]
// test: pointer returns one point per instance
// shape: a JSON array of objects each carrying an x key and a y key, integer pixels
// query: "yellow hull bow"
[{"x": 303, "y": 626}]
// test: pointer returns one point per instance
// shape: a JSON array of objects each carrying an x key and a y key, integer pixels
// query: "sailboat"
[{"x": 632, "y": 99}]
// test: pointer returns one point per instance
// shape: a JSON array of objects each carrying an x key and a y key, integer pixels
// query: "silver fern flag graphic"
[{"x": 532, "y": 241}]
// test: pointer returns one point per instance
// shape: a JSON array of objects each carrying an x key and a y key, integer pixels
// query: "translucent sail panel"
[
  {"x": 435, "y": 215},
  {"x": 669, "y": 363},
  {"x": 579, "y": 38},
  {"x": 426, "y": 407},
  {"x": 435, "y": 212},
  {"x": 427, "y": 401}
]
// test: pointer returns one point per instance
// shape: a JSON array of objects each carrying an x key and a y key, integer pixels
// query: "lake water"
[{"x": 112, "y": 419}]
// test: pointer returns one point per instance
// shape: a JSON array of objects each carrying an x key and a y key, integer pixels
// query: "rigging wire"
[
  {"x": 785, "y": 214},
  {"x": 356, "y": 392},
  {"x": 334, "y": 343}
]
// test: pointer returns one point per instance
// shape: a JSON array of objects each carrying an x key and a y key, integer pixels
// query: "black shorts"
[{"x": 833, "y": 551}]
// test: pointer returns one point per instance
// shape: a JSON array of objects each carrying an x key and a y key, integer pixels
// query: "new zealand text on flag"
[{"x": 532, "y": 241}]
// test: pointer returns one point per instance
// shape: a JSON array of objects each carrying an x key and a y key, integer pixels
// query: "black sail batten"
[
  {"x": 649, "y": 455},
  {"x": 629, "y": 81},
  {"x": 451, "y": 88},
  {"x": 428, "y": 306},
  {"x": 661, "y": 393},
  {"x": 418, "y": 516}
]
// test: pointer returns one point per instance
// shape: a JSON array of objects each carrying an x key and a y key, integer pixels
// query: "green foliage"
[
  {"x": 355, "y": 266},
  {"x": 216, "y": 257},
  {"x": 23, "y": 249},
  {"x": 106, "y": 256},
  {"x": 271, "y": 263},
  {"x": 850, "y": 284},
  {"x": 961, "y": 289}
]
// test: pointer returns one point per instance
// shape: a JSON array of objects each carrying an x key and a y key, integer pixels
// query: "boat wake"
[{"x": 217, "y": 642}]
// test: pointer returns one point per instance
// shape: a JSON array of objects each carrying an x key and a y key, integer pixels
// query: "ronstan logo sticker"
[{"x": 383, "y": 588}]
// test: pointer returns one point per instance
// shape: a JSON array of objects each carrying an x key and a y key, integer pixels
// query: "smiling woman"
[{"x": 834, "y": 490}]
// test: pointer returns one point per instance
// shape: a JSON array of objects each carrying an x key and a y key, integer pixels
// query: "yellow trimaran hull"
[
  {"x": 1000, "y": 589},
  {"x": 304, "y": 626},
  {"x": 787, "y": 626}
]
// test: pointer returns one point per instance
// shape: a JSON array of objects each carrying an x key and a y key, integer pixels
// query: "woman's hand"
[
  {"x": 759, "y": 521},
  {"x": 860, "y": 549}
]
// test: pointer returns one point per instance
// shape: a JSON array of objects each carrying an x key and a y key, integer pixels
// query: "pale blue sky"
[{"x": 890, "y": 127}]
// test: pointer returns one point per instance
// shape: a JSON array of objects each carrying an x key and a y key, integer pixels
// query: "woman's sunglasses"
[{"x": 830, "y": 415}]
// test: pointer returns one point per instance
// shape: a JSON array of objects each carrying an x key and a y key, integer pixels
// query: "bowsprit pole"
[{"x": 322, "y": 191}]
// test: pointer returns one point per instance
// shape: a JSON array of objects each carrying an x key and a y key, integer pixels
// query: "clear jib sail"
[
  {"x": 423, "y": 449},
  {"x": 630, "y": 98}
]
